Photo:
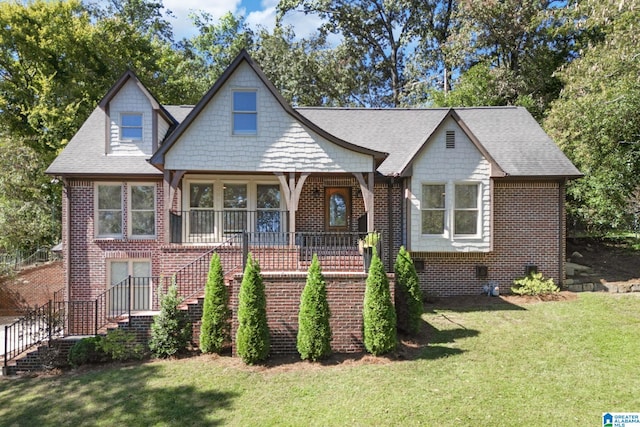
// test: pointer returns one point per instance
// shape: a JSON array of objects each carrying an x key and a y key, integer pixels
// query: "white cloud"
[{"x": 182, "y": 26}]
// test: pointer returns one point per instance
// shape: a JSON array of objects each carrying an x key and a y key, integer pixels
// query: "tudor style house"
[{"x": 475, "y": 194}]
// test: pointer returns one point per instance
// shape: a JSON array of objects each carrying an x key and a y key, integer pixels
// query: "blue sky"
[{"x": 256, "y": 12}]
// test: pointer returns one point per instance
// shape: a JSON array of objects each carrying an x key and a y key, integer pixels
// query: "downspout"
[
  {"x": 390, "y": 219},
  {"x": 66, "y": 238},
  {"x": 562, "y": 237}
]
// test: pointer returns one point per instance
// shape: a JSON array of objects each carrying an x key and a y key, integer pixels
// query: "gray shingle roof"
[
  {"x": 85, "y": 154},
  {"x": 510, "y": 135}
]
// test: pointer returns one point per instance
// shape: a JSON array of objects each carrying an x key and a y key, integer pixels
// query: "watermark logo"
[{"x": 621, "y": 419}]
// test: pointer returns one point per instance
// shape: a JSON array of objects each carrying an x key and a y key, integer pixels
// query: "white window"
[
  {"x": 109, "y": 210},
  {"x": 235, "y": 207},
  {"x": 433, "y": 209},
  {"x": 131, "y": 126},
  {"x": 245, "y": 113},
  {"x": 201, "y": 213},
  {"x": 142, "y": 210},
  {"x": 130, "y": 282},
  {"x": 268, "y": 208},
  {"x": 466, "y": 211}
]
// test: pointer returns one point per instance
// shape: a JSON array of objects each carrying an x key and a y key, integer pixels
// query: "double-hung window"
[
  {"x": 245, "y": 113},
  {"x": 131, "y": 126},
  {"x": 466, "y": 213},
  {"x": 433, "y": 209},
  {"x": 201, "y": 213},
  {"x": 268, "y": 208},
  {"x": 235, "y": 207},
  {"x": 109, "y": 210},
  {"x": 142, "y": 211}
]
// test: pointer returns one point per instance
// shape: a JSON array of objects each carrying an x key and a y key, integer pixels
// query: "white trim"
[
  {"x": 121, "y": 126},
  {"x": 96, "y": 211},
  {"x": 234, "y": 132},
  {"x": 130, "y": 211}
]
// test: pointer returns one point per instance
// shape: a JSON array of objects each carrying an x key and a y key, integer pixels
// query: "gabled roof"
[
  {"x": 84, "y": 155},
  {"x": 130, "y": 75},
  {"x": 509, "y": 137},
  {"x": 158, "y": 158}
]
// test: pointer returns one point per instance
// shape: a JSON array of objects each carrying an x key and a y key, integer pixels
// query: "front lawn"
[{"x": 553, "y": 363}]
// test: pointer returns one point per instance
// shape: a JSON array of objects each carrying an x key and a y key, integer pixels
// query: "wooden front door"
[{"x": 337, "y": 208}]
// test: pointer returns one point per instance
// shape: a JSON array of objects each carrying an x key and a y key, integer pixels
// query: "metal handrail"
[{"x": 38, "y": 325}]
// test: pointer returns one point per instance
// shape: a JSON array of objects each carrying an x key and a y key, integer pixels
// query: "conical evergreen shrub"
[
  {"x": 408, "y": 296},
  {"x": 215, "y": 327},
  {"x": 314, "y": 331},
  {"x": 252, "y": 337},
  {"x": 379, "y": 314},
  {"x": 170, "y": 330}
]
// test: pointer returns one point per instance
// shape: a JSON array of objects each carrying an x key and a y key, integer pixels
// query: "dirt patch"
[{"x": 612, "y": 261}]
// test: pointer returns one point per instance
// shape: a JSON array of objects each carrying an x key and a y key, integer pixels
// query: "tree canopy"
[{"x": 572, "y": 64}]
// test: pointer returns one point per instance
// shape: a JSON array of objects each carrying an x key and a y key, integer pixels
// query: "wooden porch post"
[
  {"x": 170, "y": 185},
  {"x": 292, "y": 191},
  {"x": 367, "y": 195}
]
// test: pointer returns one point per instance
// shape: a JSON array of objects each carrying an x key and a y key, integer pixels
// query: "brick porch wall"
[
  {"x": 345, "y": 294},
  {"x": 528, "y": 229}
]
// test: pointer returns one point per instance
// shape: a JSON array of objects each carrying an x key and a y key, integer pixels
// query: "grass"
[{"x": 555, "y": 363}]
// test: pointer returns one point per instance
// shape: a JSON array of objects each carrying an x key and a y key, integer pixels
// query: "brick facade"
[{"x": 528, "y": 229}]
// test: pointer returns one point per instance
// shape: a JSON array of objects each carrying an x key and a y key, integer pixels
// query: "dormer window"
[
  {"x": 131, "y": 127},
  {"x": 245, "y": 113}
]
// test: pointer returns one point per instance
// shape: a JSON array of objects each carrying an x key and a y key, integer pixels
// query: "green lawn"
[{"x": 557, "y": 363}]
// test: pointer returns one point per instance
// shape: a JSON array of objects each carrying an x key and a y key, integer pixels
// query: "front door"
[{"x": 337, "y": 208}]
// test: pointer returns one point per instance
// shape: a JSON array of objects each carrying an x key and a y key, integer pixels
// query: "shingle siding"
[
  {"x": 130, "y": 99},
  {"x": 281, "y": 145},
  {"x": 437, "y": 164}
]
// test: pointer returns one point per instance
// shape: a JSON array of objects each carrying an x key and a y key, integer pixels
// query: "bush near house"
[
  {"x": 117, "y": 345},
  {"x": 314, "y": 330},
  {"x": 215, "y": 328},
  {"x": 408, "y": 296},
  {"x": 534, "y": 284},
  {"x": 252, "y": 337},
  {"x": 170, "y": 330},
  {"x": 379, "y": 315}
]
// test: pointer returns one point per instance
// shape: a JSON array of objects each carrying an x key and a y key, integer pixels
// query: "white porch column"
[{"x": 367, "y": 195}]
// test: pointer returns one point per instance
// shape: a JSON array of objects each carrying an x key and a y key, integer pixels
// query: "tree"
[
  {"x": 215, "y": 327},
  {"x": 595, "y": 121},
  {"x": 170, "y": 330},
  {"x": 521, "y": 43},
  {"x": 408, "y": 296},
  {"x": 252, "y": 337},
  {"x": 379, "y": 316},
  {"x": 314, "y": 330},
  {"x": 377, "y": 35}
]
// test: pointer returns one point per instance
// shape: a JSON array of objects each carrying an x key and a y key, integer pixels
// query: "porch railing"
[
  {"x": 213, "y": 226},
  {"x": 38, "y": 325}
]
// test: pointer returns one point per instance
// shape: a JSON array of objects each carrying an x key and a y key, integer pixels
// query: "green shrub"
[
  {"x": 170, "y": 330},
  {"x": 408, "y": 296},
  {"x": 314, "y": 331},
  {"x": 379, "y": 315},
  {"x": 121, "y": 345},
  {"x": 534, "y": 284},
  {"x": 252, "y": 337},
  {"x": 215, "y": 328},
  {"x": 87, "y": 350}
]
